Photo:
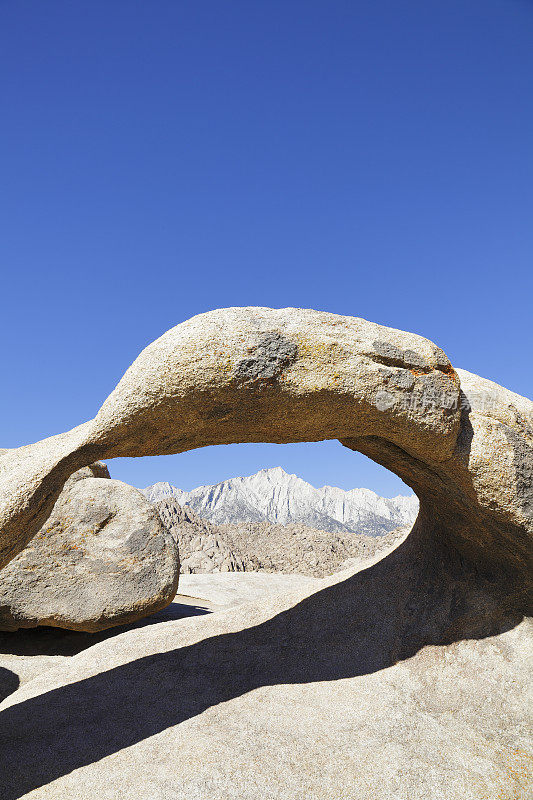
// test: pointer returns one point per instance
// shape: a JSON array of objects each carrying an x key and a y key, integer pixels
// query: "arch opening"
[
  {"x": 318, "y": 463},
  {"x": 464, "y": 445},
  {"x": 306, "y": 508}
]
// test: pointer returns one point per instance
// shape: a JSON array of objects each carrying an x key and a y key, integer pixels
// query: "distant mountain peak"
[{"x": 273, "y": 495}]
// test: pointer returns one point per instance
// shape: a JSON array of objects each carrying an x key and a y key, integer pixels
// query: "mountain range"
[{"x": 272, "y": 495}]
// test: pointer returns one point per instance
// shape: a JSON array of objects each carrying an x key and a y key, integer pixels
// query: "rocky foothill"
[{"x": 264, "y": 546}]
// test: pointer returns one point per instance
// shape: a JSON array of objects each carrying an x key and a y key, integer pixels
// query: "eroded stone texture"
[
  {"x": 201, "y": 548},
  {"x": 478, "y": 501},
  {"x": 257, "y": 374},
  {"x": 268, "y": 360},
  {"x": 103, "y": 558},
  {"x": 267, "y": 375},
  {"x": 401, "y": 682},
  {"x": 31, "y": 479},
  {"x": 405, "y": 679}
]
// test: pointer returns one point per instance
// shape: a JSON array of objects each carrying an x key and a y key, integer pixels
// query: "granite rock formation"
[
  {"x": 103, "y": 558},
  {"x": 462, "y": 443},
  {"x": 200, "y": 546},
  {"x": 265, "y": 547},
  {"x": 404, "y": 678},
  {"x": 325, "y": 692},
  {"x": 27, "y": 653}
]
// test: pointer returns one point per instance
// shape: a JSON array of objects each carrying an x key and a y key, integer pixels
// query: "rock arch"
[{"x": 464, "y": 444}]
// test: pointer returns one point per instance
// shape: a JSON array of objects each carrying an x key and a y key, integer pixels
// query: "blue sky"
[{"x": 160, "y": 159}]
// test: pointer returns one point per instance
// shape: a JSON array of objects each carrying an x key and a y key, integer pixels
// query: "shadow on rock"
[
  {"x": 9, "y": 683},
  {"x": 357, "y": 626},
  {"x": 60, "y": 642}
]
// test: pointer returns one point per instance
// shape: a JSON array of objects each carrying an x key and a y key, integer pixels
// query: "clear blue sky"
[{"x": 163, "y": 158}]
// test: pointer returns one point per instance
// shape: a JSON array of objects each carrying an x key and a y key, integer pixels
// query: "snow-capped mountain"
[{"x": 275, "y": 496}]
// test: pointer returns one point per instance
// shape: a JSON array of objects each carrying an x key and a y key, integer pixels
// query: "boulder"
[{"x": 103, "y": 558}]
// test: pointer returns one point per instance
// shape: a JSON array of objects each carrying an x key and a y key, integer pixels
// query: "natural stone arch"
[{"x": 261, "y": 375}]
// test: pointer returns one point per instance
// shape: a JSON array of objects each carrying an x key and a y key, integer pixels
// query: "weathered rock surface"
[
  {"x": 407, "y": 679},
  {"x": 26, "y": 653},
  {"x": 272, "y": 495},
  {"x": 287, "y": 549},
  {"x": 103, "y": 558},
  {"x": 242, "y": 375},
  {"x": 256, "y": 374},
  {"x": 230, "y": 589},
  {"x": 371, "y": 686},
  {"x": 297, "y": 549},
  {"x": 201, "y": 548}
]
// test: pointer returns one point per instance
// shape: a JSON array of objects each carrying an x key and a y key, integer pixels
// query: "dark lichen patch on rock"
[
  {"x": 393, "y": 356},
  {"x": 402, "y": 379},
  {"x": 439, "y": 390},
  {"x": 268, "y": 360},
  {"x": 388, "y": 353}
]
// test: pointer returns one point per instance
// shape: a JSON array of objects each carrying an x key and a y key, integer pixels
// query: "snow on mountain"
[{"x": 275, "y": 496}]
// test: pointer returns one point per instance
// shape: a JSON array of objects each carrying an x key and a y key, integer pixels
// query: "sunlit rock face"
[
  {"x": 403, "y": 678},
  {"x": 256, "y": 374},
  {"x": 267, "y": 547}
]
